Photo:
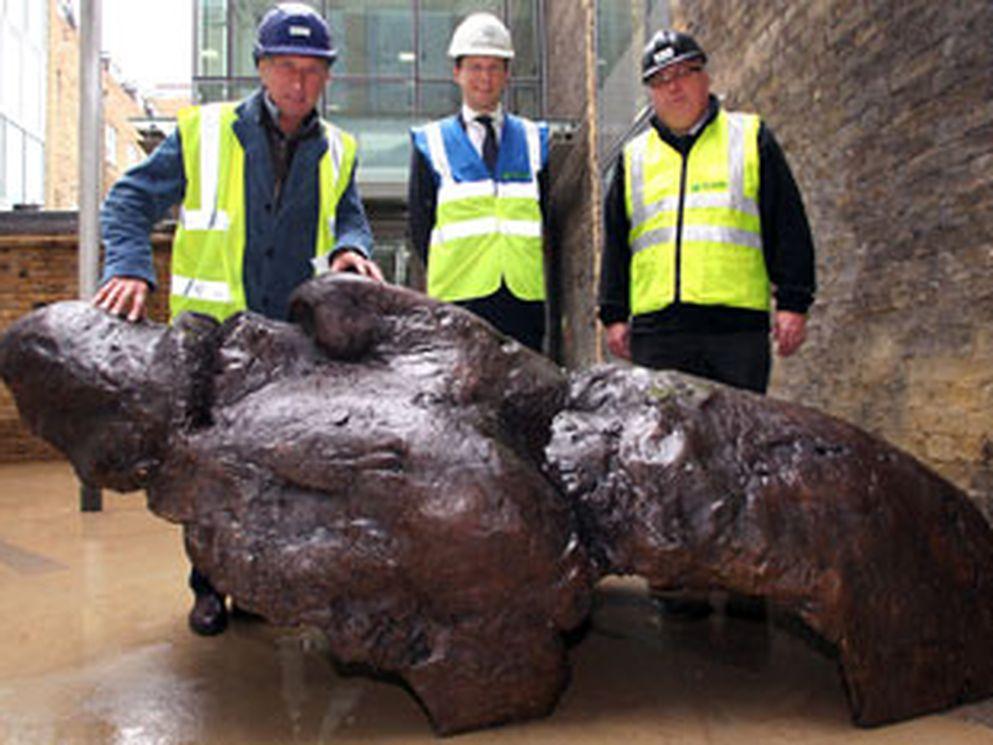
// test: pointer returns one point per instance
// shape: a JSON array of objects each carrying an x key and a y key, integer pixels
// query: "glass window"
[
  {"x": 34, "y": 171},
  {"x": 212, "y": 43},
  {"x": 379, "y": 117},
  {"x": 33, "y": 102},
  {"x": 523, "y": 27},
  {"x": 36, "y": 24},
  {"x": 212, "y": 91},
  {"x": 15, "y": 164},
  {"x": 525, "y": 100},
  {"x": 438, "y": 100},
  {"x": 17, "y": 13},
  {"x": 10, "y": 88},
  {"x": 373, "y": 38},
  {"x": 3, "y": 162}
]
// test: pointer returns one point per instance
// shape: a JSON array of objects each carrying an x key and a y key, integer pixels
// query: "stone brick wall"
[
  {"x": 575, "y": 186},
  {"x": 885, "y": 111}
]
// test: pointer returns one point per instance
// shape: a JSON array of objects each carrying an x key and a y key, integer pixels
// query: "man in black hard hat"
[
  {"x": 705, "y": 227},
  {"x": 268, "y": 199}
]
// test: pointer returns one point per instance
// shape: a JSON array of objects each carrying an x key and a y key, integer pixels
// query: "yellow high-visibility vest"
[
  {"x": 487, "y": 230},
  {"x": 706, "y": 234},
  {"x": 209, "y": 247}
]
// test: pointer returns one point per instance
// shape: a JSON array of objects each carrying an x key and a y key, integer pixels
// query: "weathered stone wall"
[
  {"x": 885, "y": 111},
  {"x": 575, "y": 188}
]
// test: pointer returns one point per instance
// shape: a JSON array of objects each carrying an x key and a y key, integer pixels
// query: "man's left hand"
[
  {"x": 789, "y": 329},
  {"x": 352, "y": 261}
]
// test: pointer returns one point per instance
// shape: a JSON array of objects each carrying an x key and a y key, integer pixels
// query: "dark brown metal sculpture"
[
  {"x": 372, "y": 472},
  {"x": 699, "y": 486},
  {"x": 434, "y": 497}
]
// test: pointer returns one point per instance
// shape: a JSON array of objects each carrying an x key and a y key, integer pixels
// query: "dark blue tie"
[{"x": 489, "y": 142}]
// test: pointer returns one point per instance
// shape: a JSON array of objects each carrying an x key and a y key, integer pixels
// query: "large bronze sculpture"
[{"x": 440, "y": 501}]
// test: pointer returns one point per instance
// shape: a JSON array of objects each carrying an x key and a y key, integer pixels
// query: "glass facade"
[
  {"x": 23, "y": 66},
  {"x": 392, "y": 70},
  {"x": 623, "y": 28}
]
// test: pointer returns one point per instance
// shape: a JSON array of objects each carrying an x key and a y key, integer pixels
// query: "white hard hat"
[{"x": 483, "y": 35}]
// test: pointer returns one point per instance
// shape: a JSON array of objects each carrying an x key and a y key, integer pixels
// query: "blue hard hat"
[{"x": 294, "y": 28}]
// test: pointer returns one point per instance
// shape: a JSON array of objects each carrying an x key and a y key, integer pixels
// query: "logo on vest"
[{"x": 710, "y": 186}]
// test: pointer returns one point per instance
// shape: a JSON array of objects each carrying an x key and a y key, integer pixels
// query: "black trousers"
[
  {"x": 200, "y": 584},
  {"x": 741, "y": 359},
  {"x": 519, "y": 319}
]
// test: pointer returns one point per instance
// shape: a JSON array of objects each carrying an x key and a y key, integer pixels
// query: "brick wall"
[
  {"x": 62, "y": 118},
  {"x": 885, "y": 111}
]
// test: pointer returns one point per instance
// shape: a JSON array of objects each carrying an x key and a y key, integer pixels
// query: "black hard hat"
[{"x": 667, "y": 48}]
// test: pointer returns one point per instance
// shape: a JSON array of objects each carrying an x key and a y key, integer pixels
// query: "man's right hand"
[
  {"x": 619, "y": 339},
  {"x": 123, "y": 296}
]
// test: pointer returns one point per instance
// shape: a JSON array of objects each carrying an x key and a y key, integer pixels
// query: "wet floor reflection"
[{"x": 95, "y": 650}]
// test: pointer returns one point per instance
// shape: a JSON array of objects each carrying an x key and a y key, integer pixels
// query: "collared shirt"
[
  {"x": 282, "y": 146},
  {"x": 476, "y": 131}
]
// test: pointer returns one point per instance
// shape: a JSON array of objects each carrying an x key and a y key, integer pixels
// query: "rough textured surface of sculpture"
[
  {"x": 371, "y": 471},
  {"x": 440, "y": 501},
  {"x": 696, "y": 485}
]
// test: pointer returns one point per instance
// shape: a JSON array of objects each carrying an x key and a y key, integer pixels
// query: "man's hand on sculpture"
[
  {"x": 789, "y": 329},
  {"x": 619, "y": 340},
  {"x": 123, "y": 296},
  {"x": 352, "y": 261}
]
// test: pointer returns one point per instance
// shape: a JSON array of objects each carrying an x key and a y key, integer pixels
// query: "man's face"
[
  {"x": 294, "y": 82},
  {"x": 680, "y": 94},
  {"x": 482, "y": 80}
]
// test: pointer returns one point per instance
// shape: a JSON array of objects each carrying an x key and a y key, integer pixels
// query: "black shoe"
[
  {"x": 208, "y": 617},
  {"x": 240, "y": 614},
  {"x": 746, "y": 607},
  {"x": 684, "y": 609}
]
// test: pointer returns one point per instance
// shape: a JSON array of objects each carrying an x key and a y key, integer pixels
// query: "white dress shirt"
[{"x": 476, "y": 131}]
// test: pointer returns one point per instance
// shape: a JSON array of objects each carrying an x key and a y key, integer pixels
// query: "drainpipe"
[{"x": 90, "y": 167}]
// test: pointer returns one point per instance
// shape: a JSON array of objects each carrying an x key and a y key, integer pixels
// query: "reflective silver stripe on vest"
[
  {"x": 486, "y": 226},
  {"x": 736, "y": 165},
  {"x": 200, "y": 289},
  {"x": 639, "y": 211},
  {"x": 436, "y": 146},
  {"x": 698, "y": 234},
  {"x": 453, "y": 191},
  {"x": 208, "y": 217},
  {"x": 336, "y": 147},
  {"x": 734, "y": 198}
]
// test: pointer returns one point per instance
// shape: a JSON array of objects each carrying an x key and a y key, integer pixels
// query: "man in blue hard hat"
[{"x": 268, "y": 199}]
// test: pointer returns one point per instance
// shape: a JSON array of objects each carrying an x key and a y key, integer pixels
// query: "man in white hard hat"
[{"x": 478, "y": 192}]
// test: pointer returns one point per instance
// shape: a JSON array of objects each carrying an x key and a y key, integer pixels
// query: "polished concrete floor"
[{"x": 94, "y": 649}]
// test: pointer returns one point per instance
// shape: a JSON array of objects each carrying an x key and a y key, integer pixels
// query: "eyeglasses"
[{"x": 676, "y": 72}]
